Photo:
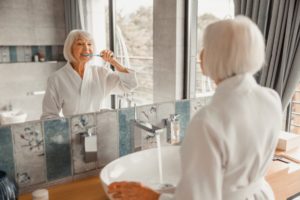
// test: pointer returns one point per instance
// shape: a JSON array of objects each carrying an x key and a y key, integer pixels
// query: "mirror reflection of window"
[
  {"x": 209, "y": 11},
  {"x": 135, "y": 40}
]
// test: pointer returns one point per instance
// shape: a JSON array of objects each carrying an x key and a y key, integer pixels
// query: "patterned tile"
[
  {"x": 142, "y": 140},
  {"x": 20, "y": 54},
  {"x": 6, "y": 152},
  {"x": 5, "y": 54},
  {"x": 126, "y": 134},
  {"x": 13, "y": 53},
  {"x": 48, "y": 53},
  {"x": 54, "y": 52},
  {"x": 34, "y": 50},
  {"x": 27, "y": 53},
  {"x": 57, "y": 145},
  {"x": 80, "y": 125},
  {"x": 147, "y": 113},
  {"x": 164, "y": 110},
  {"x": 29, "y": 153},
  {"x": 108, "y": 137},
  {"x": 183, "y": 109}
]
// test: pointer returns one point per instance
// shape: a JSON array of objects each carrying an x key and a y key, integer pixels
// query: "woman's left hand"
[
  {"x": 131, "y": 191},
  {"x": 107, "y": 55}
]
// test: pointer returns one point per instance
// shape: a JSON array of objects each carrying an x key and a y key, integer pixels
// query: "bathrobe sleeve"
[
  {"x": 201, "y": 161},
  {"x": 51, "y": 102},
  {"x": 118, "y": 82}
]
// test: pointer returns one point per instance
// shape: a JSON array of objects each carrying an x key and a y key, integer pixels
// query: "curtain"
[
  {"x": 280, "y": 23},
  {"x": 72, "y": 17}
]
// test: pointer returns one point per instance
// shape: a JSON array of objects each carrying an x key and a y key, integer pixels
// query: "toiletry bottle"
[{"x": 174, "y": 129}]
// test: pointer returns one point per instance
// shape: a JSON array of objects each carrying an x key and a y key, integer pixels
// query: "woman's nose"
[{"x": 86, "y": 47}]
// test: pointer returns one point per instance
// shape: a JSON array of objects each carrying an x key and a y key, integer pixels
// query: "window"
[
  {"x": 134, "y": 43},
  {"x": 208, "y": 11},
  {"x": 294, "y": 112}
]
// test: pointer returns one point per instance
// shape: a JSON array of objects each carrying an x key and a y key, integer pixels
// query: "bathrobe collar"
[{"x": 237, "y": 83}]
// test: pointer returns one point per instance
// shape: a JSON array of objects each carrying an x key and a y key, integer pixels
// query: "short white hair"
[
  {"x": 231, "y": 47},
  {"x": 71, "y": 38}
]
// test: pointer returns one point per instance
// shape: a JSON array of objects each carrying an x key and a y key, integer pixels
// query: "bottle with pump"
[{"x": 173, "y": 127}]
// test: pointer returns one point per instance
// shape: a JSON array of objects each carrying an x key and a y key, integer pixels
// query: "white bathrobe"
[
  {"x": 230, "y": 143},
  {"x": 66, "y": 90}
]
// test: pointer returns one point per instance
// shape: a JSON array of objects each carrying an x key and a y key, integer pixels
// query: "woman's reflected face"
[{"x": 80, "y": 48}]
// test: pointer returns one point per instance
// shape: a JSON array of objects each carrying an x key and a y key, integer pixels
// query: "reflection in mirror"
[{"x": 32, "y": 49}]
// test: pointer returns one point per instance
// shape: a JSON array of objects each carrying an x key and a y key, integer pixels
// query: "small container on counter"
[{"x": 40, "y": 194}]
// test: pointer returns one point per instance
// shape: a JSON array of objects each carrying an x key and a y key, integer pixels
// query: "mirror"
[{"x": 32, "y": 37}]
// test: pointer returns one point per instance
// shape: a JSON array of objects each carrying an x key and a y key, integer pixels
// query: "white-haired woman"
[
  {"x": 229, "y": 143},
  {"x": 79, "y": 86}
]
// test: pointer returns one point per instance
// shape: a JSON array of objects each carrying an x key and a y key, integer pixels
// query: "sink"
[
  {"x": 14, "y": 116},
  {"x": 143, "y": 166}
]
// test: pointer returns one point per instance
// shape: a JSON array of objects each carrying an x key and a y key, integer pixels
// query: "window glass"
[
  {"x": 294, "y": 124},
  {"x": 209, "y": 11},
  {"x": 134, "y": 43}
]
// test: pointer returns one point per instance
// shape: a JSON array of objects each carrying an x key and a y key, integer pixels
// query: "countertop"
[
  {"x": 284, "y": 182},
  {"x": 84, "y": 189}
]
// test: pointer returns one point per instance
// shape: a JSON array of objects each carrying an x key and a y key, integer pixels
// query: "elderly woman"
[
  {"x": 230, "y": 142},
  {"x": 81, "y": 87}
]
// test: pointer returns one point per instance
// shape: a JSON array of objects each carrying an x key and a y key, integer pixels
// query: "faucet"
[
  {"x": 127, "y": 97},
  {"x": 149, "y": 139},
  {"x": 150, "y": 128}
]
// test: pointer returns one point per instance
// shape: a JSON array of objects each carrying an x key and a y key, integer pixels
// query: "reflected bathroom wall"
[{"x": 31, "y": 43}]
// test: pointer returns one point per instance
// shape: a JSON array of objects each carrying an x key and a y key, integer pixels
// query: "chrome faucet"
[
  {"x": 148, "y": 136},
  {"x": 127, "y": 97},
  {"x": 150, "y": 128}
]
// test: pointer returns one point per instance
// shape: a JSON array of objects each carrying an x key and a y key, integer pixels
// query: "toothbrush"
[{"x": 90, "y": 55}]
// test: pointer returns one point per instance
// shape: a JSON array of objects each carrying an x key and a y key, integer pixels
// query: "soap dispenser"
[
  {"x": 173, "y": 127},
  {"x": 90, "y": 145}
]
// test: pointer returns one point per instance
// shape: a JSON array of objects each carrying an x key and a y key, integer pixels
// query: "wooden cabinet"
[{"x": 284, "y": 180}]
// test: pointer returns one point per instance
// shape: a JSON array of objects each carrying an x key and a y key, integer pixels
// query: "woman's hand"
[
  {"x": 107, "y": 55},
  {"x": 131, "y": 191}
]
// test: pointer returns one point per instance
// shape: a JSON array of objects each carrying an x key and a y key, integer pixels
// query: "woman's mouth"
[{"x": 86, "y": 54}]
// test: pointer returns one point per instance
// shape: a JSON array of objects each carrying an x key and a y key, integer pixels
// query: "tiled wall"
[
  {"x": 14, "y": 54},
  {"x": 42, "y": 152}
]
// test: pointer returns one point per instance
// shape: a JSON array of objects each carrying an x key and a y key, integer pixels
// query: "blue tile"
[
  {"x": 34, "y": 50},
  {"x": 6, "y": 152},
  {"x": 126, "y": 140},
  {"x": 13, "y": 53},
  {"x": 183, "y": 109},
  {"x": 57, "y": 146},
  {"x": 48, "y": 53}
]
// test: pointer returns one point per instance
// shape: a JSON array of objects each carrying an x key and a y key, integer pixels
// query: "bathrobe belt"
[{"x": 245, "y": 192}]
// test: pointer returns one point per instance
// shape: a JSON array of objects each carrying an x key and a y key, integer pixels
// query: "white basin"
[
  {"x": 14, "y": 116},
  {"x": 143, "y": 167}
]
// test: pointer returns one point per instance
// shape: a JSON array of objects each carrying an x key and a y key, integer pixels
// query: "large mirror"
[
  {"x": 32, "y": 38},
  {"x": 33, "y": 33}
]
